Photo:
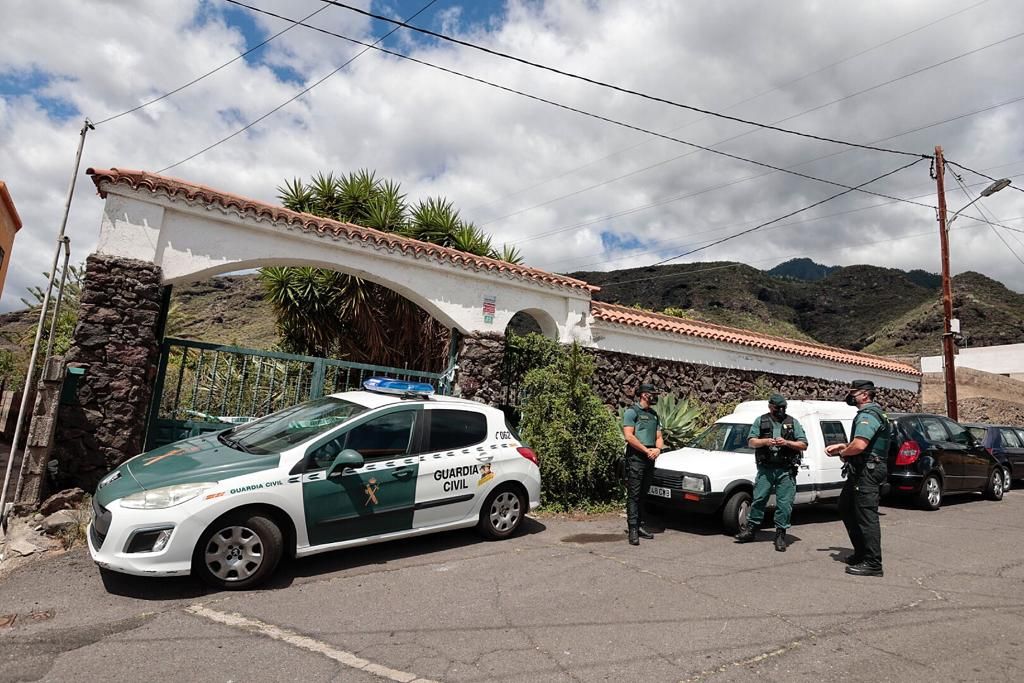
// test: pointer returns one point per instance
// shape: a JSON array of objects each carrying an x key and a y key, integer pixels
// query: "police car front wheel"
[
  {"x": 238, "y": 551},
  {"x": 502, "y": 513}
]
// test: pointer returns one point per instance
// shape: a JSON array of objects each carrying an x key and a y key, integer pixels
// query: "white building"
[{"x": 1006, "y": 360}]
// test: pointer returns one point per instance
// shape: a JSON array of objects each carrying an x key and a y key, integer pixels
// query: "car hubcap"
[
  {"x": 234, "y": 553},
  {"x": 933, "y": 492},
  {"x": 1006, "y": 480},
  {"x": 505, "y": 511},
  {"x": 743, "y": 512},
  {"x": 997, "y": 483}
]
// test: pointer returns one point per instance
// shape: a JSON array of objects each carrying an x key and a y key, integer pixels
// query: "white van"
[{"x": 715, "y": 473}]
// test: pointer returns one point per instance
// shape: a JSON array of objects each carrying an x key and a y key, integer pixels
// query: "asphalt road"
[{"x": 565, "y": 600}]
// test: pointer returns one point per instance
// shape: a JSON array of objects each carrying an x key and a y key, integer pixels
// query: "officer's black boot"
[
  {"x": 780, "y": 540},
  {"x": 634, "y": 536},
  {"x": 746, "y": 533},
  {"x": 643, "y": 533}
]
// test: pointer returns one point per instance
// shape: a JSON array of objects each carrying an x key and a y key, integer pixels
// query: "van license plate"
[{"x": 660, "y": 491}]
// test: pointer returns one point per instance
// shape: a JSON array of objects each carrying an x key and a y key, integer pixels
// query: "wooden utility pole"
[{"x": 948, "y": 367}]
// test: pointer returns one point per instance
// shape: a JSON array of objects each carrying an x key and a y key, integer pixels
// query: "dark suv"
[
  {"x": 932, "y": 455},
  {"x": 1005, "y": 443}
]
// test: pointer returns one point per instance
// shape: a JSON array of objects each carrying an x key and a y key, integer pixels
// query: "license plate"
[{"x": 660, "y": 491}]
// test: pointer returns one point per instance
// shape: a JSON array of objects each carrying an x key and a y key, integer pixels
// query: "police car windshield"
[
  {"x": 289, "y": 427},
  {"x": 724, "y": 436}
]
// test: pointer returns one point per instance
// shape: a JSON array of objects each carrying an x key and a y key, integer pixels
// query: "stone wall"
[
  {"x": 618, "y": 374},
  {"x": 117, "y": 343}
]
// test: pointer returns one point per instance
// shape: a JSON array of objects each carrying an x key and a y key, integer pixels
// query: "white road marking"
[{"x": 304, "y": 642}]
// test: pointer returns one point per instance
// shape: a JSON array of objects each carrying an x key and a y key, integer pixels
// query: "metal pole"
[
  {"x": 948, "y": 365},
  {"x": 60, "y": 298},
  {"x": 86, "y": 127}
]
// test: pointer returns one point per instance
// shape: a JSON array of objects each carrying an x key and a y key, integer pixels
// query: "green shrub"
[{"x": 576, "y": 438}]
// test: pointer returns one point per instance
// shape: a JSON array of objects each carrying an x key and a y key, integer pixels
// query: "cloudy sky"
[{"x": 571, "y": 191}]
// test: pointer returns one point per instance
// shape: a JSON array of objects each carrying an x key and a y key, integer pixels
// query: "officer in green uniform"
[
  {"x": 865, "y": 460},
  {"x": 778, "y": 441},
  {"x": 642, "y": 429}
]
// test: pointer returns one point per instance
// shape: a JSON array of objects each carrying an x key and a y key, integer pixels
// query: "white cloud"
[{"x": 442, "y": 135}]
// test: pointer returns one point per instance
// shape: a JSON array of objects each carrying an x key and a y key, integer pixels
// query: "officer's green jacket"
[
  {"x": 798, "y": 430},
  {"x": 866, "y": 424}
]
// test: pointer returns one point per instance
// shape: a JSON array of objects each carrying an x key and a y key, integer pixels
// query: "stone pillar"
[
  {"x": 481, "y": 360},
  {"x": 117, "y": 342}
]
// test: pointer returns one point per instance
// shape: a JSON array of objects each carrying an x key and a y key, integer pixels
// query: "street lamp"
[{"x": 948, "y": 366}]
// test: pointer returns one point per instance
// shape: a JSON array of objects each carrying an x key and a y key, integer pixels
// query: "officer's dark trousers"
[
  {"x": 639, "y": 470},
  {"x": 858, "y": 505}
]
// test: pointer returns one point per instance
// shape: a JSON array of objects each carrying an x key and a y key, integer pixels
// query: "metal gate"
[{"x": 203, "y": 387}]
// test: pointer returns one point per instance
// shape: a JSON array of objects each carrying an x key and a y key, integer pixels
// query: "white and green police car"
[{"x": 345, "y": 470}]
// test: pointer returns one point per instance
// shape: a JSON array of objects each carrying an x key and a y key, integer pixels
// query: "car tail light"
[
  {"x": 908, "y": 453},
  {"x": 529, "y": 455}
]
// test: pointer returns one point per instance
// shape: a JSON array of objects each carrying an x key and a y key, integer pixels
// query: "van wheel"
[
  {"x": 238, "y": 551},
  {"x": 994, "y": 488},
  {"x": 734, "y": 514},
  {"x": 930, "y": 497}
]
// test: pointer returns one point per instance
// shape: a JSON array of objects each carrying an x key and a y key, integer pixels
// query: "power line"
[
  {"x": 616, "y": 88},
  {"x": 586, "y": 113},
  {"x": 209, "y": 73},
  {"x": 780, "y": 218},
  {"x": 731, "y": 106},
  {"x": 1002, "y": 239},
  {"x": 547, "y": 264},
  {"x": 661, "y": 202},
  {"x": 979, "y": 173},
  {"x": 751, "y": 132},
  {"x": 298, "y": 95}
]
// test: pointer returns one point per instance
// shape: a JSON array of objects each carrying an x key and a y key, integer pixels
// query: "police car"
[{"x": 354, "y": 468}]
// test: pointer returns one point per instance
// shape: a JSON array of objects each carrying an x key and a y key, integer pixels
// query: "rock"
[
  {"x": 59, "y": 521},
  {"x": 22, "y": 547},
  {"x": 62, "y": 500}
]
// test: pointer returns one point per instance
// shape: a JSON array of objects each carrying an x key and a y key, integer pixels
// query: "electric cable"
[
  {"x": 752, "y": 131},
  {"x": 1002, "y": 239},
  {"x": 730, "y": 107},
  {"x": 979, "y": 173},
  {"x": 209, "y": 73},
  {"x": 668, "y": 200},
  {"x": 583, "y": 112},
  {"x": 776, "y": 220},
  {"x": 297, "y": 96},
  {"x": 616, "y": 88}
]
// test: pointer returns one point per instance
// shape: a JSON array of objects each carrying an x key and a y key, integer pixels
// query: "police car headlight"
[
  {"x": 166, "y": 496},
  {"x": 693, "y": 484}
]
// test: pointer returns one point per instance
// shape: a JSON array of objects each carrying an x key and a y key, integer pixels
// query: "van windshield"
[{"x": 724, "y": 436}]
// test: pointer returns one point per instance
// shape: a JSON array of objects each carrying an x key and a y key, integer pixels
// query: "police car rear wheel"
[
  {"x": 239, "y": 551},
  {"x": 501, "y": 514}
]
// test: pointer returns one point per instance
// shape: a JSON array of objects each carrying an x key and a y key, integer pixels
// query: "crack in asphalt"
[{"x": 30, "y": 657}]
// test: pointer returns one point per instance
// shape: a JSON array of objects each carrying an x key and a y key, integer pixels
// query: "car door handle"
[
  {"x": 805, "y": 467},
  {"x": 402, "y": 473},
  {"x": 484, "y": 458}
]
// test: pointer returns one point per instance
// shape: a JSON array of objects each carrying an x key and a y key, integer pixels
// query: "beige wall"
[{"x": 10, "y": 223}]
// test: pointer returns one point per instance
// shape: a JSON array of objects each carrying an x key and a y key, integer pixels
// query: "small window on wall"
[
  {"x": 451, "y": 429},
  {"x": 833, "y": 431}
]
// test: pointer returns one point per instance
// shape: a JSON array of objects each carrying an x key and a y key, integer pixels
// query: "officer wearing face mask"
[
  {"x": 866, "y": 459},
  {"x": 642, "y": 430},
  {"x": 778, "y": 441}
]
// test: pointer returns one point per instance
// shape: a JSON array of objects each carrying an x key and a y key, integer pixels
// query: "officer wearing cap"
[
  {"x": 778, "y": 441},
  {"x": 642, "y": 429},
  {"x": 866, "y": 459}
]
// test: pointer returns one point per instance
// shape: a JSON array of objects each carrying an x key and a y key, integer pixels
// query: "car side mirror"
[{"x": 347, "y": 458}]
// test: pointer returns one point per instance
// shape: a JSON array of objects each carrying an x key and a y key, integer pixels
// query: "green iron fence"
[{"x": 202, "y": 387}]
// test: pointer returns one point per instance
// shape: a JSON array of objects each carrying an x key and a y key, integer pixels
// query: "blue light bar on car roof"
[{"x": 384, "y": 385}]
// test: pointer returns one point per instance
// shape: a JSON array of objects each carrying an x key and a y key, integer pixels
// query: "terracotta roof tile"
[
  {"x": 622, "y": 315},
  {"x": 173, "y": 187}
]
